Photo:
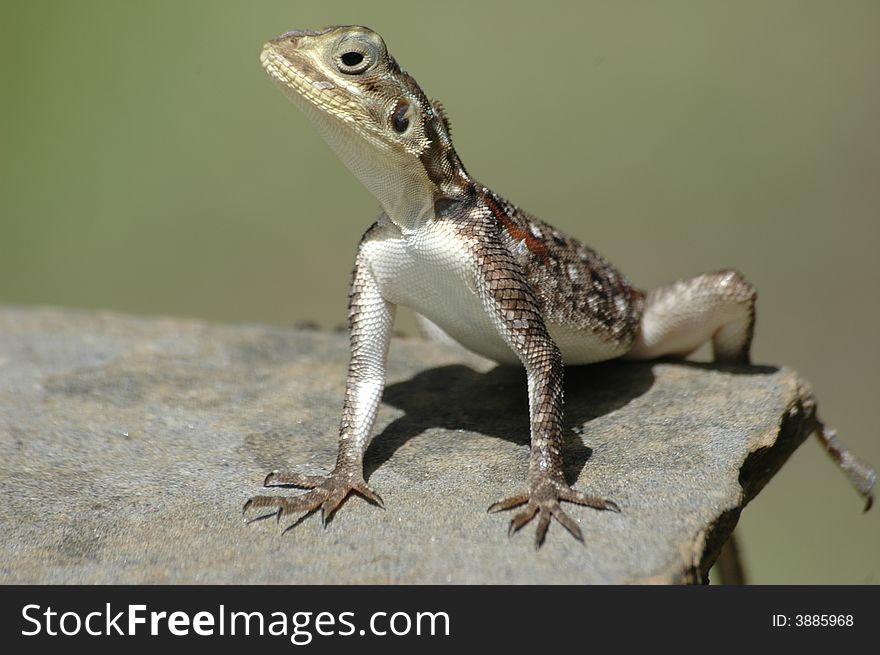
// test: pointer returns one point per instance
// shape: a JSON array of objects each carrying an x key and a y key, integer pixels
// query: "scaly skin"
[{"x": 474, "y": 267}]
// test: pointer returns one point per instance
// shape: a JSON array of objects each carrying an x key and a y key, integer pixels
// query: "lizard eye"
[
  {"x": 353, "y": 62},
  {"x": 400, "y": 116},
  {"x": 352, "y": 58}
]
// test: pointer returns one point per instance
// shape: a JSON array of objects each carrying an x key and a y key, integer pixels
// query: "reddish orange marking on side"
[{"x": 517, "y": 232}]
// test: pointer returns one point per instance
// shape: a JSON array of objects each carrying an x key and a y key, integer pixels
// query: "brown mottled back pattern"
[{"x": 575, "y": 286}]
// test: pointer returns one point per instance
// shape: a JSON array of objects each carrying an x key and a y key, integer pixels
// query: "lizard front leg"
[
  {"x": 370, "y": 319},
  {"x": 508, "y": 298}
]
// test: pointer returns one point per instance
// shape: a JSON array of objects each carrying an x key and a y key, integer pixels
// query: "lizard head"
[{"x": 372, "y": 113}]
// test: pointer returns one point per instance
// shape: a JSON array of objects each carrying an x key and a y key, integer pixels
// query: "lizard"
[{"x": 479, "y": 271}]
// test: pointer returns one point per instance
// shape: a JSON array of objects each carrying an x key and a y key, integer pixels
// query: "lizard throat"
[{"x": 404, "y": 190}]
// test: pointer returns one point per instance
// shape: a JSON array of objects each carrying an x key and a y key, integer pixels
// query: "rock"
[{"x": 130, "y": 445}]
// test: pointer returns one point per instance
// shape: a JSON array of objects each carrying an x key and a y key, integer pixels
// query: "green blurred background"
[{"x": 148, "y": 165}]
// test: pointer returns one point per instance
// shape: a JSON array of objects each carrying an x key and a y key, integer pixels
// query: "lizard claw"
[
  {"x": 364, "y": 490},
  {"x": 508, "y": 503},
  {"x": 326, "y": 493},
  {"x": 542, "y": 500}
]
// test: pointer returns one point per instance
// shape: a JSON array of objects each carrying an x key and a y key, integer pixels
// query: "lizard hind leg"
[{"x": 681, "y": 317}]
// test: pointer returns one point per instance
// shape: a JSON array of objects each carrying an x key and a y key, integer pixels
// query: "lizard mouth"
[
  {"x": 294, "y": 78},
  {"x": 308, "y": 86}
]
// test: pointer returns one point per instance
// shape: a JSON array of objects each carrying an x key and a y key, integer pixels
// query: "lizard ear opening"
[{"x": 400, "y": 117}]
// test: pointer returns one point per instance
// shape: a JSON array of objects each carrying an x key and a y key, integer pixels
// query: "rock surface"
[{"x": 130, "y": 445}]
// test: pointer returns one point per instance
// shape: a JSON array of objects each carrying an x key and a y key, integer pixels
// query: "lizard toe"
[
  {"x": 334, "y": 499},
  {"x": 568, "y": 523},
  {"x": 508, "y": 503},
  {"x": 543, "y": 524},
  {"x": 325, "y": 492},
  {"x": 580, "y": 498},
  {"x": 522, "y": 518},
  {"x": 367, "y": 492},
  {"x": 293, "y": 479},
  {"x": 543, "y": 500}
]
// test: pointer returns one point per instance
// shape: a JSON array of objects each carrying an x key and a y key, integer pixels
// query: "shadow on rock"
[{"x": 496, "y": 404}]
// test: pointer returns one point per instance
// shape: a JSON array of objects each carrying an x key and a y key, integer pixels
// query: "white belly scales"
[{"x": 428, "y": 273}]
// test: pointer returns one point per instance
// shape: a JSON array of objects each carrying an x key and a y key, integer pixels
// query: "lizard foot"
[
  {"x": 325, "y": 493},
  {"x": 542, "y": 500}
]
